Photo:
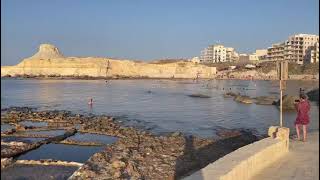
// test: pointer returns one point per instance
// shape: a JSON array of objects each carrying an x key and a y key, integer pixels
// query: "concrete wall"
[{"x": 247, "y": 161}]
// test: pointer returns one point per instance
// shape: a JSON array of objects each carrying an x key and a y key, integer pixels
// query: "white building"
[
  {"x": 218, "y": 53},
  {"x": 232, "y": 55},
  {"x": 253, "y": 57},
  {"x": 313, "y": 54},
  {"x": 262, "y": 54},
  {"x": 296, "y": 49},
  {"x": 195, "y": 60}
]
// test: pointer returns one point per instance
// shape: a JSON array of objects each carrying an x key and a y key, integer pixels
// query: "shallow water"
[
  {"x": 6, "y": 127},
  {"x": 38, "y": 172},
  {"x": 160, "y": 105},
  {"x": 87, "y": 137},
  {"x": 62, "y": 152},
  {"x": 33, "y": 123},
  {"x": 48, "y": 133}
]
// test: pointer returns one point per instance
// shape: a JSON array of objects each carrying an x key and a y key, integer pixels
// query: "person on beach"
[{"x": 303, "y": 107}]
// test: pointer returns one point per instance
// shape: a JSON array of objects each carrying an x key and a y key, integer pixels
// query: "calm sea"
[{"x": 160, "y": 106}]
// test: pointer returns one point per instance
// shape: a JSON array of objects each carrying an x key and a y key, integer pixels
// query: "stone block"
[{"x": 279, "y": 132}]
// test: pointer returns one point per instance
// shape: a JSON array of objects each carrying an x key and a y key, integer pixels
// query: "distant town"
[{"x": 299, "y": 48}]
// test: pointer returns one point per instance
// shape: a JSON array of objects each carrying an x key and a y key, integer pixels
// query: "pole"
[{"x": 280, "y": 103}]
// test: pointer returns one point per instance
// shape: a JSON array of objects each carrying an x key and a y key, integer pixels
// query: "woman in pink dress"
[{"x": 303, "y": 108}]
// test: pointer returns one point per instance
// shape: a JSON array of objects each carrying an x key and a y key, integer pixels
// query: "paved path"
[{"x": 301, "y": 163}]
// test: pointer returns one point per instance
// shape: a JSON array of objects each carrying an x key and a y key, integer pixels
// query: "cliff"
[{"x": 48, "y": 61}]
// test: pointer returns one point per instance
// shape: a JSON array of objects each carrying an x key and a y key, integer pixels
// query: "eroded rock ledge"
[{"x": 138, "y": 154}]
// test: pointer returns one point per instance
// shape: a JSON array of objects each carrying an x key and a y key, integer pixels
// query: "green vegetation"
[
  {"x": 294, "y": 69},
  {"x": 304, "y": 69},
  {"x": 266, "y": 67},
  {"x": 225, "y": 65}
]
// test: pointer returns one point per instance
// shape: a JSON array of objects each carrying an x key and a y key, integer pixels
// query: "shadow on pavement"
[{"x": 194, "y": 159}]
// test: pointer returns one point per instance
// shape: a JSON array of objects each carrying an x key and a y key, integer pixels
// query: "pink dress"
[{"x": 303, "y": 109}]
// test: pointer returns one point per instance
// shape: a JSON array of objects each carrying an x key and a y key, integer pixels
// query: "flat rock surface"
[
  {"x": 302, "y": 162},
  {"x": 38, "y": 172}
]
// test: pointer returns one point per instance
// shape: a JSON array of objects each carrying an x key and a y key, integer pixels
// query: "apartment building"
[
  {"x": 218, "y": 53},
  {"x": 262, "y": 54},
  {"x": 231, "y": 55},
  {"x": 297, "y": 48},
  {"x": 276, "y": 52},
  {"x": 259, "y": 54},
  {"x": 313, "y": 54}
]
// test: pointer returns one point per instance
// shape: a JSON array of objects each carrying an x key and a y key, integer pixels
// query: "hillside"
[{"x": 48, "y": 61}]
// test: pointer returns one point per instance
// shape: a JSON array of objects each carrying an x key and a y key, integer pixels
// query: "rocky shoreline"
[
  {"x": 42, "y": 77},
  {"x": 288, "y": 103},
  {"x": 137, "y": 154}
]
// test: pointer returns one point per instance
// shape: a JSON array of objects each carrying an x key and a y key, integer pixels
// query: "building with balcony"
[
  {"x": 218, "y": 53},
  {"x": 262, "y": 54},
  {"x": 313, "y": 54},
  {"x": 231, "y": 55},
  {"x": 276, "y": 52},
  {"x": 296, "y": 49}
]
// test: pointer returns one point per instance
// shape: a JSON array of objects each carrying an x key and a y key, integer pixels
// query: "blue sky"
[{"x": 146, "y": 30}]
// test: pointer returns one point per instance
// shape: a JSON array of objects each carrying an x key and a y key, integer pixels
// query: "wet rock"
[
  {"x": 17, "y": 149},
  {"x": 137, "y": 154},
  {"x": 199, "y": 96},
  {"x": 243, "y": 99},
  {"x": 5, "y": 162},
  {"x": 151, "y": 157},
  {"x": 288, "y": 102},
  {"x": 230, "y": 94},
  {"x": 265, "y": 100},
  {"x": 20, "y": 127},
  {"x": 313, "y": 95},
  {"x": 176, "y": 134},
  {"x": 228, "y": 133},
  {"x": 80, "y": 143}
]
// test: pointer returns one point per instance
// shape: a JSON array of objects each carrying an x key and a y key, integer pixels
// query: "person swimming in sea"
[{"x": 90, "y": 102}]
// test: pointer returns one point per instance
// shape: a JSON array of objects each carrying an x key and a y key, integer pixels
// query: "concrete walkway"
[{"x": 301, "y": 163}]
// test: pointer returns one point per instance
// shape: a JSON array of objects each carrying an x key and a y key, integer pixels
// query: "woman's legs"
[
  {"x": 304, "y": 128},
  {"x": 298, "y": 131}
]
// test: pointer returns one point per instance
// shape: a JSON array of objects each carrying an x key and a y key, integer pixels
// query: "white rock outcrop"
[
  {"x": 47, "y": 51},
  {"x": 49, "y": 61}
]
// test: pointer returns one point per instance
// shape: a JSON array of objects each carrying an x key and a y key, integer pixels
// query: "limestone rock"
[
  {"x": 265, "y": 100},
  {"x": 48, "y": 61},
  {"x": 47, "y": 51},
  {"x": 230, "y": 94},
  {"x": 118, "y": 164},
  {"x": 243, "y": 99}
]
